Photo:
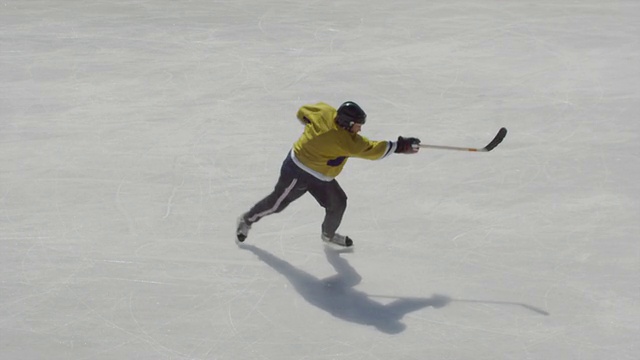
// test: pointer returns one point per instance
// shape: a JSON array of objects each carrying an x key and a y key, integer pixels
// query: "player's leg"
[
  {"x": 289, "y": 187},
  {"x": 334, "y": 200},
  {"x": 285, "y": 192}
]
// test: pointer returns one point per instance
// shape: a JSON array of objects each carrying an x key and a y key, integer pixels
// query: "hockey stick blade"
[{"x": 496, "y": 140}]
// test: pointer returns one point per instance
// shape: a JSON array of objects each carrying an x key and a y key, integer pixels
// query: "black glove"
[{"x": 407, "y": 145}]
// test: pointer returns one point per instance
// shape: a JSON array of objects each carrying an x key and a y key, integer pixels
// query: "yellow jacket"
[{"x": 324, "y": 148}]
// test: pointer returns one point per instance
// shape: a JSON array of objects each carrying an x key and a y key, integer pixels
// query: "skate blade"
[{"x": 341, "y": 249}]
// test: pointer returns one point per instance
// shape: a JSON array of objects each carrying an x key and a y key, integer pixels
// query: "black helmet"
[{"x": 350, "y": 113}]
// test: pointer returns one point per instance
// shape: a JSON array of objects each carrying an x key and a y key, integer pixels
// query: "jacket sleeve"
[
  {"x": 319, "y": 115},
  {"x": 364, "y": 148},
  {"x": 302, "y": 117},
  {"x": 308, "y": 113}
]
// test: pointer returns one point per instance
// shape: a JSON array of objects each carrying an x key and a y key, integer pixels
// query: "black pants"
[{"x": 292, "y": 184}]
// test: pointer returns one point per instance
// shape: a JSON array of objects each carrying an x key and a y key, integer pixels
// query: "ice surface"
[{"x": 133, "y": 133}]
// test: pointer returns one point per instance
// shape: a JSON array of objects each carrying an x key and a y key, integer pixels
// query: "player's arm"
[
  {"x": 313, "y": 113},
  {"x": 364, "y": 148},
  {"x": 375, "y": 150},
  {"x": 302, "y": 114}
]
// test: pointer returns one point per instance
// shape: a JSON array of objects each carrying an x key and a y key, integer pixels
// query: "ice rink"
[{"x": 134, "y": 133}]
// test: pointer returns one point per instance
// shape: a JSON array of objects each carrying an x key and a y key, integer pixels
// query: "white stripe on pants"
[{"x": 275, "y": 206}]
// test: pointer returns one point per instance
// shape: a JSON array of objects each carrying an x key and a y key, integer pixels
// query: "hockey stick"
[
  {"x": 437, "y": 301},
  {"x": 496, "y": 140}
]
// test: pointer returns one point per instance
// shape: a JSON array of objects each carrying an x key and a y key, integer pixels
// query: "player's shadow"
[{"x": 337, "y": 296}]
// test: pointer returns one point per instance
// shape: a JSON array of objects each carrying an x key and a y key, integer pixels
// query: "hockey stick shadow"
[{"x": 337, "y": 296}]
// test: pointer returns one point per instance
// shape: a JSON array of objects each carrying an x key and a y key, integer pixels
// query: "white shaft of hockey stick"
[{"x": 449, "y": 148}]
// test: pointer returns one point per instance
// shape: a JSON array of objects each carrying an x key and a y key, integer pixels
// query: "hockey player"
[{"x": 329, "y": 139}]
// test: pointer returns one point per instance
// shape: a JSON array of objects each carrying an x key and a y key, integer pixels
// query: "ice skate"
[
  {"x": 243, "y": 229},
  {"x": 337, "y": 239}
]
